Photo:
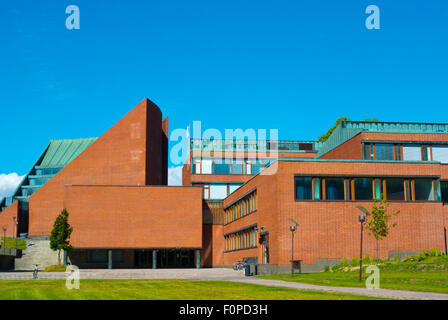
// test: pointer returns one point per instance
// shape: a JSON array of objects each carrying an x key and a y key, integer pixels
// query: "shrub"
[
  {"x": 354, "y": 262},
  {"x": 55, "y": 268},
  {"x": 366, "y": 259}
]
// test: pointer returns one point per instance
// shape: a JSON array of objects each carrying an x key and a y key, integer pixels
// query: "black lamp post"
[
  {"x": 293, "y": 229},
  {"x": 16, "y": 223},
  {"x": 4, "y": 237},
  {"x": 362, "y": 219}
]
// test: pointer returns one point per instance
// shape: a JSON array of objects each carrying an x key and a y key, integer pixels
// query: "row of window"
[
  {"x": 101, "y": 256},
  {"x": 47, "y": 171},
  {"x": 245, "y": 239},
  {"x": 406, "y": 152},
  {"x": 241, "y": 208},
  {"x": 217, "y": 191},
  {"x": 351, "y": 189},
  {"x": 229, "y": 166}
]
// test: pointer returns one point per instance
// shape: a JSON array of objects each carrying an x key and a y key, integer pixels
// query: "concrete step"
[{"x": 37, "y": 252}]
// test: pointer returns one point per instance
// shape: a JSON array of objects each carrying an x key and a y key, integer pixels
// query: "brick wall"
[{"x": 135, "y": 217}]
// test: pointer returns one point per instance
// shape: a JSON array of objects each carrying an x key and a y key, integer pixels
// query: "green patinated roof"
[
  {"x": 55, "y": 156},
  {"x": 62, "y": 152},
  {"x": 348, "y": 129}
]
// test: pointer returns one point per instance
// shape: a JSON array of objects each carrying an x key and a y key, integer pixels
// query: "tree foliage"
[
  {"x": 60, "y": 235},
  {"x": 380, "y": 223},
  {"x": 325, "y": 136}
]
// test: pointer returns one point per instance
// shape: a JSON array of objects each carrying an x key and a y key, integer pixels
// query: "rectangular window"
[
  {"x": 397, "y": 152},
  {"x": 378, "y": 189},
  {"x": 98, "y": 256},
  {"x": 303, "y": 188},
  {"x": 424, "y": 152},
  {"x": 206, "y": 166},
  {"x": 233, "y": 187},
  {"x": 423, "y": 190},
  {"x": 117, "y": 256},
  {"x": 440, "y": 153},
  {"x": 206, "y": 191},
  {"x": 368, "y": 151},
  {"x": 334, "y": 189},
  {"x": 444, "y": 191},
  {"x": 218, "y": 191},
  {"x": 316, "y": 185},
  {"x": 394, "y": 189},
  {"x": 363, "y": 188},
  {"x": 237, "y": 166},
  {"x": 412, "y": 152},
  {"x": 221, "y": 167},
  {"x": 384, "y": 151},
  {"x": 197, "y": 166}
]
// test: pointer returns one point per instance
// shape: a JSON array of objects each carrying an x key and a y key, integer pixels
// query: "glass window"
[
  {"x": 395, "y": 189},
  {"x": 363, "y": 188},
  {"x": 368, "y": 151},
  {"x": 197, "y": 166},
  {"x": 412, "y": 152},
  {"x": 424, "y": 153},
  {"x": 233, "y": 187},
  {"x": 423, "y": 189},
  {"x": 316, "y": 189},
  {"x": 220, "y": 167},
  {"x": 98, "y": 256},
  {"x": 334, "y": 188},
  {"x": 237, "y": 166},
  {"x": 440, "y": 153},
  {"x": 206, "y": 191},
  {"x": 218, "y": 191},
  {"x": 384, "y": 151},
  {"x": 397, "y": 149},
  {"x": 378, "y": 189},
  {"x": 444, "y": 190},
  {"x": 206, "y": 166},
  {"x": 303, "y": 188},
  {"x": 117, "y": 256},
  {"x": 256, "y": 167}
]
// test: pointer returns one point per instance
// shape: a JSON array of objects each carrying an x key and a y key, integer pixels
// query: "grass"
[
  {"x": 158, "y": 290},
  {"x": 55, "y": 268},
  {"x": 11, "y": 243},
  {"x": 429, "y": 274}
]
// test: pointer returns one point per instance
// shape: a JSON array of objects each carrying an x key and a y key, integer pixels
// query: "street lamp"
[
  {"x": 16, "y": 223},
  {"x": 4, "y": 237},
  {"x": 293, "y": 229},
  {"x": 362, "y": 219}
]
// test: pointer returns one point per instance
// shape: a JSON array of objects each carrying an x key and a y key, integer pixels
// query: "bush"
[
  {"x": 354, "y": 262},
  {"x": 366, "y": 259},
  {"x": 55, "y": 268}
]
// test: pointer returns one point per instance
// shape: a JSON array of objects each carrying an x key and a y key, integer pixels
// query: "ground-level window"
[{"x": 244, "y": 239}]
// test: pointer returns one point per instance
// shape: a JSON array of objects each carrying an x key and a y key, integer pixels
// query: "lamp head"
[
  {"x": 362, "y": 218},
  {"x": 292, "y": 228}
]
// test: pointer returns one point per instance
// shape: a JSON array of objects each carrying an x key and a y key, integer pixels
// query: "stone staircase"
[{"x": 37, "y": 252}]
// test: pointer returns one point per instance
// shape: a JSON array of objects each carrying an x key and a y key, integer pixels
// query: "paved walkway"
[{"x": 221, "y": 274}]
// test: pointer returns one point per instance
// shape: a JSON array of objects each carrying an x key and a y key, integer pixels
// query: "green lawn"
[
  {"x": 11, "y": 243},
  {"x": 429, "y": 274},
  {"x": 157, "y": 290}
]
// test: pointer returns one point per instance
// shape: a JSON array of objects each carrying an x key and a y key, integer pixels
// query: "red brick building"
[{"x": 238, "y": 196}]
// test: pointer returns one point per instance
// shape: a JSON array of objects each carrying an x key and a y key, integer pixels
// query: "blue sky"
[{"x": 295, "y": 66}]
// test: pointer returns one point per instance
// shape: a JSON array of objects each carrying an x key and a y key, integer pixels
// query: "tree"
[
  {"x": 60, "y": 235},
  {"x": 327, "y": 135},
  {"x": 380, "y": 223}
]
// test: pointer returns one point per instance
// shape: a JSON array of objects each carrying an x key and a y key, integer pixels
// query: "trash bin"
[{"x": 247, "y": 270}]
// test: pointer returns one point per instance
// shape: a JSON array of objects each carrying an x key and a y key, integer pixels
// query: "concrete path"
[{"x": 221, "y": 274}]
